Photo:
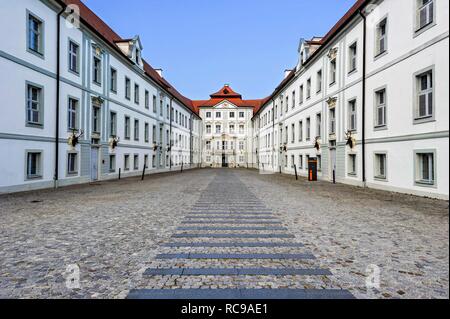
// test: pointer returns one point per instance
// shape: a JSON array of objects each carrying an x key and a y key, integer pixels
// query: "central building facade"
[{"x": 227, "y": 127}]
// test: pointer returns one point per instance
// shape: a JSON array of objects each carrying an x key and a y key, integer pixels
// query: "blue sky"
[{"x": 203, "y": 44}]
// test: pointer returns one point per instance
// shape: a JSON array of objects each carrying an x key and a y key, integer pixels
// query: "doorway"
[
  {"x": 332, "y": 162},
  {"x": 224, "y": 161},
  {"x": 94, "y": 163}
]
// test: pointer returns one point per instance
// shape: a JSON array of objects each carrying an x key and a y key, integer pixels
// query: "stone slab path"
[{"x": 227, "y": 210}]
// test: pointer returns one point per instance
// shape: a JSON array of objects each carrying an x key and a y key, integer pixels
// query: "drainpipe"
[
  {"x": 273, "y": 134},
  {"x": 191, "y": 140},
  {"x": 170, "y": 134},
  {"x": 58, "y": 77},
  {"x": 364, "y": 180}
]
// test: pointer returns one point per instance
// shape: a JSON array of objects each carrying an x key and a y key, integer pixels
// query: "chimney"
[
  {"x": 286, "y": 73},
  {"x": 160, "y": 72}
]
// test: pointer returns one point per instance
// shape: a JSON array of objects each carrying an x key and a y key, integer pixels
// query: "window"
[
  {"x": 332, "y": 71},
  {"x": 380, "y": 166},
  {"x": 352, "y": 165},
  {"x": 300, "y": 131},
  {"x": 241, "y": 129},
  {"x": 381, "y": 38},
  {"x": 73, "y": 57},
  {"x": 218, "y": 115},
  {"x": 127, "y": 128},
  {"x": 300, "y": 161},
  {"x": 425, "y": 13},
  {"x": 97, "y": 71},
  {"x": 319, "y": 81},
  {"x": 136, "y": 93},
  {"x": 292, "y": 161},
  {"x": 352, "y": 116},
  {"x": 218, "y": 129},
  {"x": 146, "y": 133},
  {"x": 301, "y": 94},
  {"x": 113, "y": 80},
  {"x": 208, "y": 115},
  {"x": 127, "y": 88},
  {"x": 136, "y": 162},
  {"x": 146, "y": 161},
  {"x": 308, "y": 129},
  {"x": 154, "y": 104},
  {"x": 161, "y": 107},
  {"x": 136, "y": 130},
  {"x": 293, "y": 133},
  {"x": 96, "y": 119},
  {"x": 332, "y": 121},
  {"x": 147, "y": 99},
  {"x": 287, "y": 104},
  {"x": 232, "y": 129},
  {"x": 380, "y": 100},
  {"x": 293, "y": 101},
  {"x": 34, "y": 105},
  {"x": 424, "y": 102},
  {"x": 352, "y": 54},
  {"x": 72, "y": 163},
  {"x": 208, "y": 145},
  {"x": 319, "y": 125},
  {"x": 35, "y": 35},
  {"x": 232, "y": 115},
  {"x": 34, "y": 165},
  {"x": 241, "y": 145},
  {"x": 319, "y": 163},
  {"x": 154, "y": 161},
  {"x": 113, "y": 124},
  {"x": 72, "y": 114},
  {"x": 154, "y": 134},
  {"x": 126, "y": 162},
  {"x": 241, "y": 115},
  {"x": 308, "y": 88},
  {"x": 208, "y": 129},
  {"x": 112, "y": 163},
  {"x": 425, "y": 168}
]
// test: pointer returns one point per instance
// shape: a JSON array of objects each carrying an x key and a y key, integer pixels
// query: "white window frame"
[
  {"x": 72, "y": 115},
  {"x": 379, "y": 37},
  {"x": 353, "y": 57},
  {"x": 418, "y": 168},
  {"x": 76, "y": 163},
  {"x": 39, "y": 166},
  {"x": 352, "y": 115},
  {"x": 378, "y": 105},
  {"x": 39, "y": 51},
  {"x": 73, "y": 55},
  {"x": 418, "y": 92},
  {"x": 431, "y": 16},
  {"x": 377, "y": 168},
  {"x": 32, "y": 105}
]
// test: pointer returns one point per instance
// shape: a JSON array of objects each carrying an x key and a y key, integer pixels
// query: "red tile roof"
[
  {"x": 104, "y": 31},
  {"x": 111, "y": 37},
  {"x": 354, "y": 10},
  {"x": 227, "y": 94}
]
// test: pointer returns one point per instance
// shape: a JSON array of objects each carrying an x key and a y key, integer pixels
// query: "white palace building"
[{"x": 369, "y": 101}]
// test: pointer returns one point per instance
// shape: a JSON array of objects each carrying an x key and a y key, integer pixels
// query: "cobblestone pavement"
[{"x": 163, "y": 234}]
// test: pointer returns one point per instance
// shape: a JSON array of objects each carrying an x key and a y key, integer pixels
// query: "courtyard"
[{"x": 208, "y": 230}]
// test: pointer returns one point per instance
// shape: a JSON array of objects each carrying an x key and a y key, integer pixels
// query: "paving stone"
[
  {"x": 235, "y": 256},
  {"x": 236, "y": 271},
  {"x": 234, "y": 244},
  {"x": 236, "y": 294},
  {"x": 232, "y": 236}
]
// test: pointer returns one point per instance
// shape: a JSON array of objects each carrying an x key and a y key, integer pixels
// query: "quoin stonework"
[{"x": 369, "y": 100}]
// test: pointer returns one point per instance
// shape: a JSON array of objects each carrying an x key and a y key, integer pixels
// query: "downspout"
[
  {"x": 273, "y": 134},
  {"x": 170, "y": 134},
  {"x": 364, "y": 179},
  {"x": 191, "y": 140},
  {"x": 58, "y": 78}
]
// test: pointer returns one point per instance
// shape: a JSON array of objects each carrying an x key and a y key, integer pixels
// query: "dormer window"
[{"x": 132, "y": 48}]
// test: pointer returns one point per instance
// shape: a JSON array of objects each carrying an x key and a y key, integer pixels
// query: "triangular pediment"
[{"x": 225, "y": 105}]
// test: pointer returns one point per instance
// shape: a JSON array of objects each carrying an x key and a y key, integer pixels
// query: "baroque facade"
[{"x": 369, "y": 101}]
